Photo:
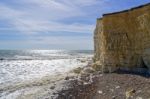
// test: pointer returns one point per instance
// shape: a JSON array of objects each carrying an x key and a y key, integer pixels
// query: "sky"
[{"x": 54, "y": 24}]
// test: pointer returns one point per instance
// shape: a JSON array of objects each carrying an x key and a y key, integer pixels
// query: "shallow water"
[{"x": 21, "y": 69}]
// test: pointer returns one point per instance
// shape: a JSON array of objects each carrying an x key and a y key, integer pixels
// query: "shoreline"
[
  {"x": 88, "y": 83},
  {"x": 39, "y": 87}
]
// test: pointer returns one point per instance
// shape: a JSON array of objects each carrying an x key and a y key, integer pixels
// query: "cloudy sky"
[{"x": 54, "y": 24}]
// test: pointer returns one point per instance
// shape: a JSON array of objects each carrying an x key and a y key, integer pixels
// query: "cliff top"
[{"x": 148, "y": 4}]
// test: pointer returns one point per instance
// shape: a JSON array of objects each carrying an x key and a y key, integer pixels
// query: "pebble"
[
  {"x": 52, "y": 87},
  {"x": 139, "y": 91},
  {"x": 113, "y": 97},
  {"x": 100, "y": 92},
  {"x": 67, "y": 78},
  {"x": 117, "y": 87},
  {"x": 129, "y": 93},
  {"x": 101, "y": 75},
  {"x": 112, "y": 90},
  {"x": 139, "y": 98},
  {"x": 85, "y": 83}
]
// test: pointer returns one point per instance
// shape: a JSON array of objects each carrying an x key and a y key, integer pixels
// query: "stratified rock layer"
[{"x": 122, "y": 39}]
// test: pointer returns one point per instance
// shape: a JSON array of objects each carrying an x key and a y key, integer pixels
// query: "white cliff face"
[{"x": 122, "y": 39}]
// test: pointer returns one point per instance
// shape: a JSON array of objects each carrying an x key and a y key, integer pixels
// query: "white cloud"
[
  {"x": 33, "y": 17},
  {"x": 86, "y": 2},
  {"x": 6, "y": 12},
  {"x": 54, "y": 9},
  {"x": 28, "y": 22}
]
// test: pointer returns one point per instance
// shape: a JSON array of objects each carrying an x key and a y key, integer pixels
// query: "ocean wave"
[
  {"x": 28, "y": 69},
  {"x": 41, "y": 54},
  {"x": 7, "y": 89},
  {"x": 43, "y": 58}
]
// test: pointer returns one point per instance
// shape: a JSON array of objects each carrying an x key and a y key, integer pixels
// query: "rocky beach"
[{"x": 120, "y": 84}]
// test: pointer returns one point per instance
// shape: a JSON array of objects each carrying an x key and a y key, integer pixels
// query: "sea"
[{"x": 20, "y": 70}]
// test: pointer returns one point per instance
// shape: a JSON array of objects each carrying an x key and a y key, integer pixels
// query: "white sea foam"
[
  {"x": 20, "y": 75},
  {"x": 16, "y": 71}
]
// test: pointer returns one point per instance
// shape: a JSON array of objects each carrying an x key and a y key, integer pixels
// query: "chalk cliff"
[{"x": 122, "y": 39}]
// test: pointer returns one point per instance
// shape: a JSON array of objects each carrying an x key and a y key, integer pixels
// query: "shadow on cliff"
[{"x": 139, "y": 71}]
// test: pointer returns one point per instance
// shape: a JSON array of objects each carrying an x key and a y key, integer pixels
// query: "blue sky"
[{"x": 54, "y": 24}]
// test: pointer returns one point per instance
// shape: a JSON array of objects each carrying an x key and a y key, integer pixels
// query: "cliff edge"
[{"x": 122, "y": 39}]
